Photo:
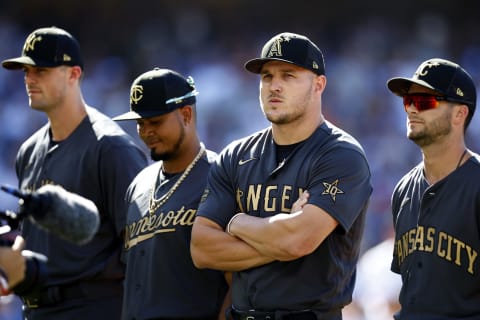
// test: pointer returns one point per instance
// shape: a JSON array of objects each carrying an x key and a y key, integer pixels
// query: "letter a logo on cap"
[{"x": 276, "y": 48}]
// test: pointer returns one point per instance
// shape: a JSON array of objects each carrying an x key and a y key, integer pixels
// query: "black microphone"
[{"x": 65, "y": 214}]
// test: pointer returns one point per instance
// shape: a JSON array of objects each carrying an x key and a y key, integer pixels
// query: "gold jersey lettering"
[
  {"x": 269, "y": 200},
  {"x": 253, "y": 197},
  {"x": 419, "y": 238},
  {"x": 411, "y": 240},
  {"x": 405, "y": 244},
  {"x": 449, "y": 248},
  {"x": 150, "y": 225},
  {"x": 459, "y": 245},
  {"x": 400, "y": 254},
  {"x": 430, "y": 240},
  {"x": 168, "y": 219},
  {"x": 239, "y": 200},
  {"x": 472, "y": 256},
  {"x": 442, "y": 237},
  {"x": 285, "y": 198},
  {"x": 187, "y": 218}
]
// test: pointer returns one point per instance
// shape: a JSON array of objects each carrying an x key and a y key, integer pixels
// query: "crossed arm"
[{"x": 253, "y": 241}]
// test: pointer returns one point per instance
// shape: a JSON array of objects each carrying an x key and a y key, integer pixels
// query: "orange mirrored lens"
[{"x": 421, "y": 102}]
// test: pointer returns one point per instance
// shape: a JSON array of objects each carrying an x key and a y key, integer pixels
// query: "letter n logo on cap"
[{"x": 30, "y": 42}]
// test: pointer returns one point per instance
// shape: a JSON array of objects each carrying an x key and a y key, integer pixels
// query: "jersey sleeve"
[
  {"x": 340, "y": 184},
  {"x": 119, "y": 164},
  {"x": 218, "y": 202}
]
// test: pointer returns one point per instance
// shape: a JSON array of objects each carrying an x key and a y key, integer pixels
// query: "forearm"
[
  {"x": 285, "y": 236},
  {"x": 267, "y": 235},
  {"x": 213, "y": 248}
]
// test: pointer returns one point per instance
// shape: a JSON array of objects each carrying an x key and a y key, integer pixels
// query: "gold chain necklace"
[{"x": 154, "y": 204}]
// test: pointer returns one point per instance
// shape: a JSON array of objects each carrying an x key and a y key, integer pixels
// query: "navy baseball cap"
[
  {"x": 445, "y": 77},
  {"x": 158, "y": 92},
  {"x": 47, "y": 47},
  {"x": 292, "y": 48}
]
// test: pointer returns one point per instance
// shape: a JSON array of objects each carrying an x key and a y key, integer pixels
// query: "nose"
[
  {"x": 275, "y": 84},
  {"x": 145, "y": 129},
  {"x": 410, "y": 108},
  {"x": 28, "y": 77}
]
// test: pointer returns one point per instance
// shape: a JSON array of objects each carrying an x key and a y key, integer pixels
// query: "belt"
[
  {"x": 84, "y": 290},
  {"x": 52, "y": 295},
  {"x": 274, "y": 315}
]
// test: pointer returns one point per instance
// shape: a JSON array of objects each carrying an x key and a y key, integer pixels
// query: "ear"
[
  {"x": 76, "y": 72},
  {"x": 460, "y": 113},
  {"x": 186, "y": 114},
  {"x": 320, "y": 83}
]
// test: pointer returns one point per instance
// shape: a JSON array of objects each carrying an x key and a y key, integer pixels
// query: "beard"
[
  {"x": 432, "y": 132},
  {"x": 173, "y": 152},
  {"x": 283, "y": 118}
]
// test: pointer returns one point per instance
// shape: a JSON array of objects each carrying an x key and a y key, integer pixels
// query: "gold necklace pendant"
[{"x": 154, "y": 203}]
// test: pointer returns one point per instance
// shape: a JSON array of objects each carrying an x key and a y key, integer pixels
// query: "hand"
[
  {"x": 12, "y": 262},
  {"x": 301, "y": 201}
]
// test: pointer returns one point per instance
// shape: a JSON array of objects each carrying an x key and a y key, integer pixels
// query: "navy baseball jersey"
[
  {"x": 437, "y": 243},
  {"x": 97, "y": 161},
  {"x": 332, "y": 166},
  {"x": 161, "y": 280}
]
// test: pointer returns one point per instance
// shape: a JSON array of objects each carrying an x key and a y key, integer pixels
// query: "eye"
[{"x": 266, "y": 76}]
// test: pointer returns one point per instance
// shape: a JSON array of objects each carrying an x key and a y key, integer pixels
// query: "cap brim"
[
  {"x": 128, "y": 116},
  {"x": 400, "y": 86},
  {"x": 18, "y": 63},
  {"x": 132, "y": 115},
  {"x": 255, "y": 65}
]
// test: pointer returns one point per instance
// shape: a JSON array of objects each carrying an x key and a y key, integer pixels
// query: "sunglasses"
[{"x": 422, "y": 101}]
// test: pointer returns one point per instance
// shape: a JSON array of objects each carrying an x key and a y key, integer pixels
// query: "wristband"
[
  {"x": 4, "y": 287},
  {"x": 230, "y": 223}
]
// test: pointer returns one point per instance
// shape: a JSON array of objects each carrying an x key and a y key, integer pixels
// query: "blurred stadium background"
[{"x": 364, "y": 44}]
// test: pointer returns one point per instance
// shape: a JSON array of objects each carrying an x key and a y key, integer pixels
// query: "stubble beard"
[
  {"x": 432, "y": 133},
  {"x": 173, "y": 152}
]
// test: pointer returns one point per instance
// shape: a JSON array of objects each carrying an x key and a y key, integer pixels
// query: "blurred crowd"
[{"x": 359, "y": 60}]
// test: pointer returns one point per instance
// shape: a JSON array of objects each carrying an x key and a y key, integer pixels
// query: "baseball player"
[
  {"x": 161, "y": 280},
  {"x": 289, "y": 262},
  {"x": 87, "y": 153},
  {"x": 436, "y": 206}
]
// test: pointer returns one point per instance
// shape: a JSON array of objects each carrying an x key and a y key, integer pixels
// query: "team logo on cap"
[
  {"x": 423, "y": 69},
  {"x": 30, "y": 42},
  {"x": 276, "y": 48},
  {"x": 332, "y": 189},
  {"x": 136, "y": 94}
]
